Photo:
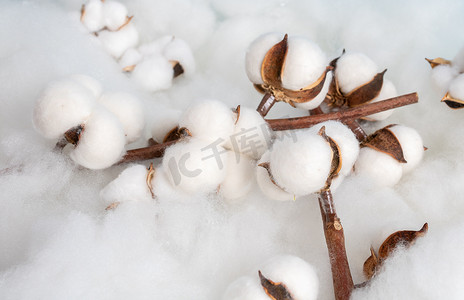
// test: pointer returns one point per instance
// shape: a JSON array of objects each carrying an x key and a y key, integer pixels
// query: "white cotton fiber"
[
  {"x": 458, "y": 61},
  {"x": 129, "y": 110},
  {"x": 89, "y": 83},
  {"x": 304, "y": 64},
  {"x": 337, "y": 182},
  {"x": 164, "y": 123},
  {"x": 456, "y": 88},
  {"x": 411, "y": 144},
  {"x": 252, "y": 135},
  {"x": 301, "y": 167},
  {"x": 346, "y": 140},
  {"x": 179, "y": 50},
  {"x": 153, "y": 74},
  {"x": 131, "y": 57},
  {"x": 194, "y": 166},
  {"x": 316, "y": 101},
  {"x": 157, "y": 46},
  {"x": 130, "y": 185},
  {"x": 354, "y": 70},
  {"x": 117, "y": 42},
  {"x": 256, "y": 52},
  {"x": 388, "y": 91},
  {"x": 63, "y": 105},
  {"x": 93, "y": 18},
  {"x": 266, "y": 185},
  {"x": 210, "y": 120},
  {"x": 246, "y": 288},
  {"x": 381, "y": 168},
  {"x": 102, "y": 141},
  {"x": 442, "y": 75},
  {"x": 297, "y": 275},
  {"x": 239, "y": 176},
  {"x": 114, "y": 14}
]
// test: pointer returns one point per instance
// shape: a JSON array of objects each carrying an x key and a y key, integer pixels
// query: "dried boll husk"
[
  {"x": 384, "y": 140},
  {"x": 411, "y": 143},
  {"x": 164, "y": 124},
  {"x": 454, "y": 98},
  {"x": 267, "y": 183},
  {"x": 316, "y": 101}
]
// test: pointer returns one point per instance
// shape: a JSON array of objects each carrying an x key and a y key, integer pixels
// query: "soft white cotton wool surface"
[
  {"x": 131, "y": 57},
  {"x": 102, "y": 141},
  {"x": 346, "y": 141},
  {"x": 442, "y": 76},
  {"x": 165, "y": 123},
  {"x": 93, "y": 18},
  {"x": 178, "y": 50},
  {"x": 297, "y": 275},
  {"x": 130, "y": 185},
  {"x": 316, "y": 101},
  {"x": 379, "y": 167},
  {"x": 304, "y": 64},
  {"x": 411, "y": 144},
  {"x": 195, "y": 166},
  {"x": 388, "y": 91},
  {"x": 458, "y": 61},
  {"x": 129, "y": 111},
  {"x": 240, "y": 176},
  {"x": 62, "y": 105},
  {"x": 153, "y": 73},
  {"x": 246, "y": 288},
  {"x": 353, "y": 70},
  {"x": 117, "y": 42},
  {"x": 210, "y": 120},
  {"x": 301, "y": 167},
  {"x": 114, "y": 14},
  {"x": 90, "y": 83},
  {"x": 456, "y": 87},
  {"x": 256, "y": 52},
  {"x": 269, "y": 189}
]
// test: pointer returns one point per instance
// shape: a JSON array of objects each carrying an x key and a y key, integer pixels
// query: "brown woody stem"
[
  {"x": 266, "y": 104},
  {"x": 335, "y": 239},
  {"x": 146, "y": 152},
  {"x": 358, "y": 131},
  {"x": 351, "y": 113}
]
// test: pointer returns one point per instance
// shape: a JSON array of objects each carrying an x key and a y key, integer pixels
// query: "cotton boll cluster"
[
  {"x": 98, "y": 124},
  {"x": 298, "y": 277},
  {"x": 445, "y": 71}
]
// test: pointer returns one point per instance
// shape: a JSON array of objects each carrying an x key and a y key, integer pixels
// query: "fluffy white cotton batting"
[
  {"x": 381, "y": 168},
  {"x": 411, "y": 144},
  {"x": 130, "y": 185},
  {"x": 353, "y": 70},
  {"x": 129, "y": 111},
  {"x": 117, "y": 42},
  {"x": 456, "y": 87},
  {"x": 102, "y": 141},
  {"x": 256, "y": 52},
  {"x": 252, "y": 135},
  {"x": 266, "y": 185},
  {"x": 89, "y": 83},
  {"x": 239, "y": 176},
  {"x": 297, "y": 275},
  {"x": 316, "y": 101},
  {"x": 62, "y": 105},
  {"x": 301, "y": 167},
  {"x": 92, "y": 18},
  {"x": 346, "y": 140},
  {"x": 246, "y": 288},
  {"x": 210, "y": 120},
  {"x": 114, "y": 14},
  {"x": 442, "y": 76},
  {"x": 388, "y": 91},
  {"x": 195, "y": 166},
  {"x": 304, "y": 64},
  {"x": 165, "y": 123},
  {"x": 131, "y": 57},
  {"x": 178, "y": 50},
  {"x": 153, "y": 74}
]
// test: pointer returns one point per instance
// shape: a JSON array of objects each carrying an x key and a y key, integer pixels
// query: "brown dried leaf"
[
  {"x": 150, "y": 175},
  {"x": 237, "y": 111},
  {"x": 384, "y": 140},
  {"x": 129, "y": 68},
  {"x": 152, "y": 142},
  {"x": 308, "y": 93},
  {"x": 176, "y": 133},
  {"x": 336, "y": 156},
  {"x": 371, "y": 265},
  {"x": 273, "y": 62},
  {"x": 177, "y": 67},
  {"x": 275, "y": 290},
  {"x": 452, "y": 103},
  {"x": 333, "y": 63},
  {"x": 404, "y": 237},
  {"x": 366, "y": 92},
  {"x": 438, "y": 61}
]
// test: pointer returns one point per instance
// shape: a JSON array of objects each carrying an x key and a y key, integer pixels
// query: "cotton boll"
[
  {"x": 411, "y": 144},
  {"x": 93, "y": 17},
  {"x": 245, "y": 288},
  {"x": 346, "y": 141},
  {"x": 239, "y": 177},
  {"x": 63, "y": 105},
  {"x": 383, "y": 169},
  {"x": 316, "y": 101},
  {"x": 165, "y": 123},
  {"x": 90, "y": 83},
  {"x": 179, "y": 50},
  {"x": 256, "y": 52},
  {"x": 442, "y": 75},
  {"x": 354, "y": 70},
  {"x": 193, "y": 167},
  {"x": 209, "y": 120},
  {"x": 153, "y": 74},
  {"x": 458, "y": 61},
  {"x": 252, "y": 135},
  {"x": 456, "y": 87},
  {"x": 157, "y": 46},
  {"x": 297, "y": 275},
  {"x": 301, "y": 167},
  {"x": 129, "y": 110},
  {"x": 130, "y": 185},
  {"x": 102, "y": 141},
  {"x": 131, "y": 57},
  {"x": 388, "y": 91},
  {"x": 336, "y": 182},
  {"x": 304, "y": 64},
  {"x": 117, "y": 42},
  {"x": 267, "y": 186},
  {"x": 114, "y": 14}
]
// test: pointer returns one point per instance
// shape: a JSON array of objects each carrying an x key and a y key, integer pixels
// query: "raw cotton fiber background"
[{"x": 58, "y": 242}]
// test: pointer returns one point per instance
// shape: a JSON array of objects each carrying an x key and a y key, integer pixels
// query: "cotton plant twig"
[
  {"x": 145, "y": 153},
  {"x": 266, "y": 104}
]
